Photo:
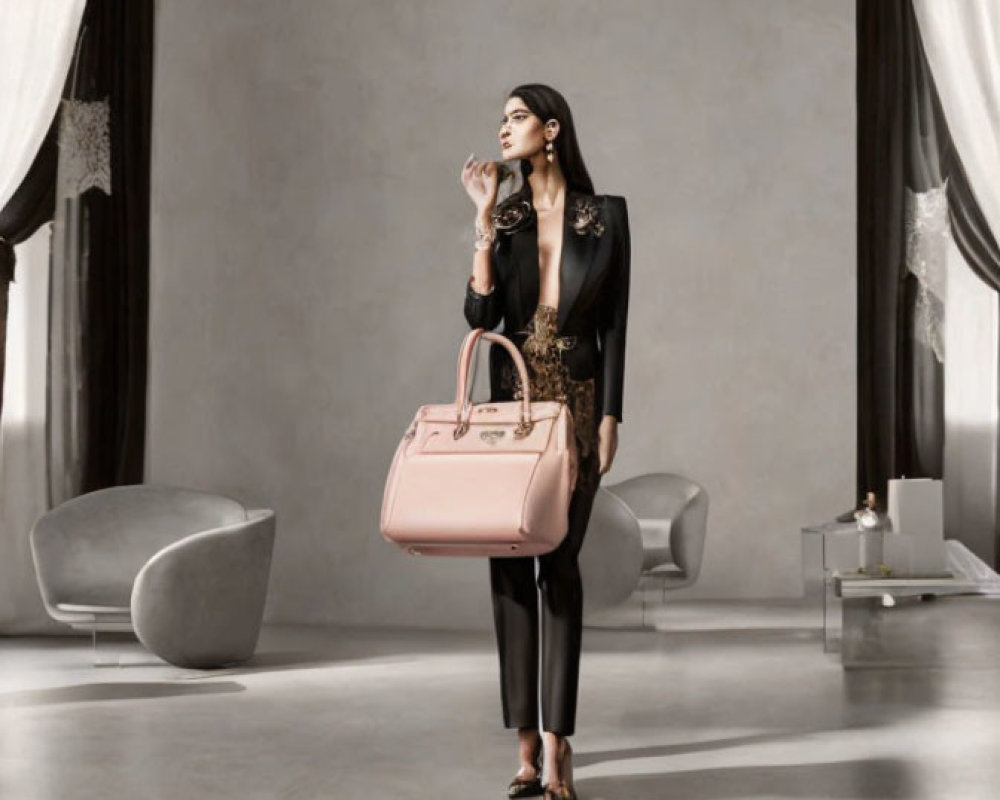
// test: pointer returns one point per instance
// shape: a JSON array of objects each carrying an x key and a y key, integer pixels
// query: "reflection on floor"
[{"x": 724, "y": 700}]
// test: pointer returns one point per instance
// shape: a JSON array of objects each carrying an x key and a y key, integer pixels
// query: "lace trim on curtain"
[
  {"x": 85, "y": 147},
  {"x": 928, "y": 232}
]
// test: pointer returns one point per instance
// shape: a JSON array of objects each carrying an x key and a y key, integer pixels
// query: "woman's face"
[{"x": 521, "y": 131}]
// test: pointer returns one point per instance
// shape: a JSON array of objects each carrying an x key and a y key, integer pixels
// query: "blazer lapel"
[{"x": 576, "y": 260}]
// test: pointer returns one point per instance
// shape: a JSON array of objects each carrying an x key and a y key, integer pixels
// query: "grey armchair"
[
  {"x": 647, "y": 529},
  {"x": 187, "y": 571}
]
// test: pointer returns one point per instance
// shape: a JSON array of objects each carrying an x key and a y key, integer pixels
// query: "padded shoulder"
[{"x": 617, "y": 208}]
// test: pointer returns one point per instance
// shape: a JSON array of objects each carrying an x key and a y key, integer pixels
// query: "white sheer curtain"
[
  {"x": 970, "y": 406},
  {"x": 36, "y": 45},
  {"x": 23, "y": 488},
  {"x": 964, "y": 339},
  {"x": 962, "y": 41},
  {"x": 37, "y": 40}
]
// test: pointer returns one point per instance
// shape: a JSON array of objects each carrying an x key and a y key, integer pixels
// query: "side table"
[
  {"x": 828, "y": 548},
  {"x": 881, "y": 623}
]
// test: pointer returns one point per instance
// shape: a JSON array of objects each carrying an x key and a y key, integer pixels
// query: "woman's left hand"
[{"x": 607, "y": 444}]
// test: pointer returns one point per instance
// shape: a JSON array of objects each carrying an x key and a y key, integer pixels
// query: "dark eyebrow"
[{"x": 514, "y": 111}]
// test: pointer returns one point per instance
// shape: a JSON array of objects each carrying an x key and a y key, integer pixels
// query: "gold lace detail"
[{"x": 550, "y": 380}]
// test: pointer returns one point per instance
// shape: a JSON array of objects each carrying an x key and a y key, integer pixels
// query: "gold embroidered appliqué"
[{"x": 550, "y": 380}]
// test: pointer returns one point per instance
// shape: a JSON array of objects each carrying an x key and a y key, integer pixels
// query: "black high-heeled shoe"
[
  {"x": 531, "y": 787},
  {"x": 564, "y": 790}
]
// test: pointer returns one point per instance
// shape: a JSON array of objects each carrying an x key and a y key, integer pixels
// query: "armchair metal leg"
[
  {"x": 96, "y": 659},
  {"x": 644, "y": 589}
]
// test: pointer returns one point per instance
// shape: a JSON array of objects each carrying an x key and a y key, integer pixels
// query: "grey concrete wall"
[{"x": 311, "y": 244}]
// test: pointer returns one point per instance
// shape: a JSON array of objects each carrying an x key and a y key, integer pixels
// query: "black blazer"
[{"x": 593, "y": 294}]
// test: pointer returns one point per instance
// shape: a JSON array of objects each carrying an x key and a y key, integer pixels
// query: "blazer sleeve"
[
  {"x": 613, "y": 319},
  {"x": 485, "y": 310}
]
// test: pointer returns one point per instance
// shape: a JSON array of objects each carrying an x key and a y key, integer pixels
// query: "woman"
[{"x": 551, "y": 261}]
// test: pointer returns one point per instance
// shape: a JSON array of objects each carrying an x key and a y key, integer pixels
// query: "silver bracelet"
[{"x": 484, "y": 236}]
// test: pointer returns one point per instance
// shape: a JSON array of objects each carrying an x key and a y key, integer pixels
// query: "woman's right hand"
[{"x": 481, "y": 183}]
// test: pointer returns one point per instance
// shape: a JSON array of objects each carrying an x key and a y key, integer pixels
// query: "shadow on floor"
[
  {"x": 651, "y": 639},
  {"x": 279, "y": 648},
  {"x": 112, "y": 691},
  {"x": 864, "y": 778},
  {"x": 593, "y": 757}
]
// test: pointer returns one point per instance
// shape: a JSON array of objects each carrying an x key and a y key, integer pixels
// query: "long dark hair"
[{"x": 546, "y": 103}]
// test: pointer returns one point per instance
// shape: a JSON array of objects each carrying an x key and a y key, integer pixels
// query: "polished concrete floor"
[{"x": 722, "y": 700}]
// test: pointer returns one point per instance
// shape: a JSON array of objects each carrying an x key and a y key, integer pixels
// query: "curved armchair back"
[
  {"x": 660, "y": 494},
  {"x": 92, "y": 547}
]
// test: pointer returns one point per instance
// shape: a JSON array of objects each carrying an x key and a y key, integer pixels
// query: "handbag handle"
[
  {"x": 464, "y": 364},
  {"x": 463, "y": 390}
]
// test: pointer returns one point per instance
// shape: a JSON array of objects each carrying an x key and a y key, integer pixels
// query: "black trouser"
[{"x": 515, "y": 613}]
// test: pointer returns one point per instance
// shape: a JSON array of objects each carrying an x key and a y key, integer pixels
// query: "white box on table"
[{"x": 915, "y": 511}]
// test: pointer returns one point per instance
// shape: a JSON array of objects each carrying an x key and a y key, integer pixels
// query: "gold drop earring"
[{"x": 550, "y": 152}]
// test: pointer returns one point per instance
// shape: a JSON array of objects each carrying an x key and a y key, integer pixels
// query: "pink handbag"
[{"x": 486, "y": 479}]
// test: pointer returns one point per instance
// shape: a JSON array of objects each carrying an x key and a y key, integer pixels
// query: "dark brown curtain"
[
  {"x": 903, "y": 141},
  {"x": 925, "y": 151},
  {"x": 900, "y": 147},
  {"x": 114, "y": 60},
  {"x": 886, "y": 443}
]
